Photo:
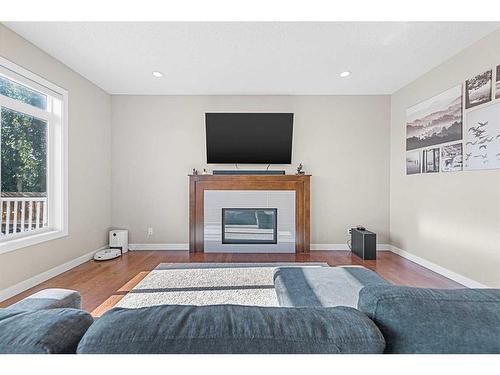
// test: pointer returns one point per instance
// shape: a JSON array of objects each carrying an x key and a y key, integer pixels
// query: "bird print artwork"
[
  {"x": 485, "y": 139},
  {"x": 482, "y": 138},
  {"x": 477, "y": 132},
  {"x": 481, "y": 156}
]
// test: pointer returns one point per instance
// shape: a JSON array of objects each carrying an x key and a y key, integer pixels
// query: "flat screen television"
[{"x": 249, "y": 138}]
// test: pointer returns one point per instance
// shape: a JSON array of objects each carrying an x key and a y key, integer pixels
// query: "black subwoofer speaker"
[{"x": 364, "y": 244}]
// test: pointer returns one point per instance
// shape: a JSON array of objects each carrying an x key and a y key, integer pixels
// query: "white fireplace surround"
[{"x": 216, "y": 200}]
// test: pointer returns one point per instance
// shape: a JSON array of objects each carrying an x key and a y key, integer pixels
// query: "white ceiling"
[{"x": 252, "y": 57}]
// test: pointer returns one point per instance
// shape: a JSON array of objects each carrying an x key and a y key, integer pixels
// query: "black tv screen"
[{"x": 251, "y": 138}]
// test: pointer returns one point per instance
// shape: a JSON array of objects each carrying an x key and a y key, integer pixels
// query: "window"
[{"x": 33, "y": 158}]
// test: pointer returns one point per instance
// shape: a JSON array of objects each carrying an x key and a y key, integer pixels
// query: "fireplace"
[
  {"x": 249, "y": 225},
  {"x": 249, "y": 213}
]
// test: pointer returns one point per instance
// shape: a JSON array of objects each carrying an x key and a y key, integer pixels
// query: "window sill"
[{"x": 12, "y": 244}]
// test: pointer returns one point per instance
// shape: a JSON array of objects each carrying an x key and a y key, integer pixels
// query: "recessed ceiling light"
[
  {"x": 345, "y": 74},
  {"x": 157, "y": 74}
]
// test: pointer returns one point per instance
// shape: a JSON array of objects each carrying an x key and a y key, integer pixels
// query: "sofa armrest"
[
  {"x": 49, "y": 299},
  {"x": 50, "y": 331},
  {"x": 434, "y": 321}
]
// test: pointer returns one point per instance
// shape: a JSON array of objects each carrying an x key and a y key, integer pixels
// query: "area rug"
[{"x": 208, "y": 284}]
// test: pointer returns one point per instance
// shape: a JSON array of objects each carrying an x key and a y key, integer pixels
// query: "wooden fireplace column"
[{"x": 298, "y": 183}]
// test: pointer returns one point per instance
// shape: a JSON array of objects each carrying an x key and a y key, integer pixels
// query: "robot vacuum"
[
  {"x": 118, "y": 245},
  {"x": 107, "y": 254}
]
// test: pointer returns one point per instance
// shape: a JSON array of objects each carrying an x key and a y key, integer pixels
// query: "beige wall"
[
  {"x": 342, "y": 140},
  {"x": 434, "y": 216},
  {"x": 89, "y": 166}
]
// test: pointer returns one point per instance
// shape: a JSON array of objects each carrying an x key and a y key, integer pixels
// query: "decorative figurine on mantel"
[
  {"x": 300, "y": 170},
  {"x": 195, "y": 171}
]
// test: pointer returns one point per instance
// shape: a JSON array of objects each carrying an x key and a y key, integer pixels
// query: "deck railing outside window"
[{"x": 22, "y": 214}]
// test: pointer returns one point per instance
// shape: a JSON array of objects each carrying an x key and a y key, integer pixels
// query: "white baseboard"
[
  {"x": 44, "y": 276},
  {"x": 438, "y": 269},
  {"x": 343, "y": 246},
  {"x": 185, "y": 246},
  {"x": 158, "y": 246}
]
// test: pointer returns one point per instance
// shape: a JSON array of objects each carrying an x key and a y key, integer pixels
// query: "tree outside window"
[{"x": 23, "y": 160}]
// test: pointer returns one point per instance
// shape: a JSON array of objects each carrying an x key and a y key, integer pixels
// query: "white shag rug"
[{"x": 208, "y": 284}]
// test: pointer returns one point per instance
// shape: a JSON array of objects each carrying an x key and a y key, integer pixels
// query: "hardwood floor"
[{"x": 103, "y": 284}]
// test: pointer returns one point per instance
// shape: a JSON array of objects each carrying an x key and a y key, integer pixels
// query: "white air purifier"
[{"x": 118, "y": 245}]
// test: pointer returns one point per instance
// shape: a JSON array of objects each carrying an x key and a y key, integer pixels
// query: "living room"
[{"x": 161, "y": 179}]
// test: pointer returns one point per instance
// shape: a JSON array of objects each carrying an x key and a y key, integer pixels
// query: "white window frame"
[{"x": 57, "y": 159}]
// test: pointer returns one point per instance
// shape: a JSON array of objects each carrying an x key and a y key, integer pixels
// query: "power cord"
[{"x": 268, "y": 167}]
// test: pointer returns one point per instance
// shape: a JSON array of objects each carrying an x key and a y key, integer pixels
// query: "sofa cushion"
[
  {"x": 417, "y": 320},
  {"x": 44, "y": 331},
  {"x": 53, "y": 298},
  {"x": 322, "y": 286},
  {"x": 232, "y": 329}
]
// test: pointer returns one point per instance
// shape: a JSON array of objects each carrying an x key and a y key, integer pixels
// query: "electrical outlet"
[
  {"x": 150, "y": 231},
  {"x": 349, "y": 231}
]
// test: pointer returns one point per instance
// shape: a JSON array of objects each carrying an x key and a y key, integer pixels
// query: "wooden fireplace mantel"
[{"x": 298, "y": 183}]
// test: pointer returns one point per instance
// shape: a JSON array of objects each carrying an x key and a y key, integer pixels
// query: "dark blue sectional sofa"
[{"x": 322, "y": 310}]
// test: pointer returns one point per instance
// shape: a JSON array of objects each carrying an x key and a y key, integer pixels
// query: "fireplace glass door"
[{"x": 249, "y": 225}]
